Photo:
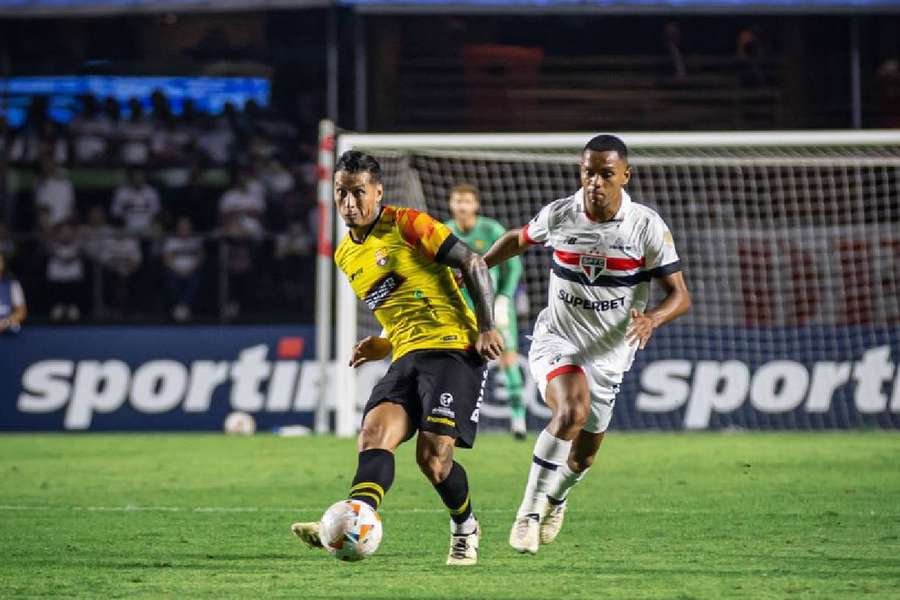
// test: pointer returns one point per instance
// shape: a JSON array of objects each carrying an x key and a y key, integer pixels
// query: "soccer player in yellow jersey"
[{"x": 399, "y": 262}]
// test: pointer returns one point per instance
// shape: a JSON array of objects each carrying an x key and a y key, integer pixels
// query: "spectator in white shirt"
[
  {"x": 121, "y": 260},
  {"x": 54, "y": 193},
  {"x": 95, "y": 232},
  {"x": 91, "y": 131},
  {"x": 65, "y": 274},
  {"x": 215, "y": 140},
  {"x": 243, "y": 206},
  {"x": 136, "y": 204},
  {"x": 136, "y": 132},
  {"x": 183, "y": 256}
]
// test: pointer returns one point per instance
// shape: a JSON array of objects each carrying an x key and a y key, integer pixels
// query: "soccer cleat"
[
  {"x": 525, "y": 534},
  {"x": 517, "y": 426},
  {"x": 552, "y": 522},
  {"x": 308, "y": 533},
  {"x": 464, "y": 548}
]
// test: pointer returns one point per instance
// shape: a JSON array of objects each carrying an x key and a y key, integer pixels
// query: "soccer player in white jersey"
[{"x": 606, "y": 250}]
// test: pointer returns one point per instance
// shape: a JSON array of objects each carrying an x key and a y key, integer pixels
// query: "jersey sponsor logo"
[
  {"x": 382, "y": 289},
  {"x": 592, "y": 266},
  {"x": 597, "y": 305}
]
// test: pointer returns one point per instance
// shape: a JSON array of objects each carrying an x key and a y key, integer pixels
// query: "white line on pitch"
[{"x": 212, "y": 509}]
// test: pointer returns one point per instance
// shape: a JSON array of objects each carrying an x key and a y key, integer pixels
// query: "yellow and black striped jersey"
[{"x": 395, "y": 273}]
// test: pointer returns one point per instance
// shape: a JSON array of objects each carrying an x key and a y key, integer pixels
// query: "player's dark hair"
[
  {"x": 465, "y": 188},
  {"x": 608, "y": 143},
  {"x": 354, "y": 161}
]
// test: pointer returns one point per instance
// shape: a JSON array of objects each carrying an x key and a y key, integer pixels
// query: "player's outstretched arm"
[
  {"x": 477, "y": 278},
  {"x": 676, "y": 303},
  {"x": 511, "y": 243}
]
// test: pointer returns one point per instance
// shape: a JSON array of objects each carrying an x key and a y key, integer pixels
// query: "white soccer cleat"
[
  {"x": 552, "y": 522},
  {"x": 308, "y": 533},
  {"x": 525, "y": 534},
  {"x": 464, "y": 548}
]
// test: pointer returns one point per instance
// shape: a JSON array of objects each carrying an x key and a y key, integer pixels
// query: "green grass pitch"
[{"x": 660, "y": 516}]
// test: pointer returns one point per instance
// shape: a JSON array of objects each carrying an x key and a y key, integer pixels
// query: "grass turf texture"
[{"x": 660, "y": 516}]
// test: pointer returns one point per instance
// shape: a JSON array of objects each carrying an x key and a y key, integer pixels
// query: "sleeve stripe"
[
  {"x": 665, "y": 270},
  {"x": 445, "y": 248}
]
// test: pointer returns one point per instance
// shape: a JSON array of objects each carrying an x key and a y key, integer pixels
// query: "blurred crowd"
[{"x": 121, "y": 217}]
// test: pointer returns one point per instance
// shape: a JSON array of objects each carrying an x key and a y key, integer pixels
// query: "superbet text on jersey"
[{"x": 600, "y": 271}]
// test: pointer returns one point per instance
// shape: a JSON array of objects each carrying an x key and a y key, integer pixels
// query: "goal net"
[{"x": 790, "y": 244}]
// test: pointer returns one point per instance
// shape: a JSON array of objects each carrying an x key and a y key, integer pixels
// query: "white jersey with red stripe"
[{"x": 600, "y": 271}]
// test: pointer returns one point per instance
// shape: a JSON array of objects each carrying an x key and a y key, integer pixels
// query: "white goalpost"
[{"x": 790, "y": 243}]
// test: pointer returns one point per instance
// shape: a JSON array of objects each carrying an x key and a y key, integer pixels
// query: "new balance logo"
[{"x": 571, "y": 240}]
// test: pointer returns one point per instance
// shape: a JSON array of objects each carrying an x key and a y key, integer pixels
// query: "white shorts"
[{"x": 551, "y": 355}]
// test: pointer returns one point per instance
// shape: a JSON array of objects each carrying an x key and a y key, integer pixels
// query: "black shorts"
[{"x": 441, "y": 391}]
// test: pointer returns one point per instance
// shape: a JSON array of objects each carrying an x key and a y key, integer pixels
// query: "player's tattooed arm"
[
  {"x": 477, "y": 279},
  {"x": 511, "y": 243}
]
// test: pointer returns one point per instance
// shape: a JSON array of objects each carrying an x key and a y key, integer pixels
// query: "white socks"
[
  {"x": 465, "y": 528},
  {"x": 550, "y": 454},
  {"x": 565, "y": 480}
]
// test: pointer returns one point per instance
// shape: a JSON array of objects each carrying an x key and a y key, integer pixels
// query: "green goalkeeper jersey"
[{"x": 480, "y": 239}]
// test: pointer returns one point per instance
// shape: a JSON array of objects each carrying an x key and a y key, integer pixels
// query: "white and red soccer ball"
[{"x": 350, "y": 530}]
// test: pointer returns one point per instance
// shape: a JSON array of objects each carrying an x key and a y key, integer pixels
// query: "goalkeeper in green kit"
[{"x": 480, "y": 233}]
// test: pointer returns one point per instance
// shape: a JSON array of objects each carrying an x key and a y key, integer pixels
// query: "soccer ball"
[
  {"x": 350, "y": 530},
  {"x": 239, "y": 423}
]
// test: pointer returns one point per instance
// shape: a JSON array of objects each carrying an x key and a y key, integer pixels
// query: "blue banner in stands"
[{"x": 190, "y": 378}]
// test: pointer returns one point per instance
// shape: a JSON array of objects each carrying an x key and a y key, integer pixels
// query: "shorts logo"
[
  {"x": 446, "y": 399},
  {"x": 572, "y": 240},
  {"x": 556, "y": 358},
  {"x": 449, "y": 338},
  {"x": 592, "y": 266},
  {"x": 381, "y": 257}
]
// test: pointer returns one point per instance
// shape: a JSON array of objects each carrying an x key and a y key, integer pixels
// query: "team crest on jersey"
[
  {"x": 381, "y": 257},
  {"x": 592, "y": 266}
]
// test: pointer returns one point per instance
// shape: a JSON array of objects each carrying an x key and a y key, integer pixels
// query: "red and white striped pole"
[{"x": 324, "y": 270}]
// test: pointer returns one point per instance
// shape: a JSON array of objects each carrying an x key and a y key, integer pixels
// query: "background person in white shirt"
[
  {"x": 183, "y": 256},
  {"x": 121, "y": 260},
  {"x": 242, "y": 207},
  {"x": 136, "y": 203},
  {"x": 607, "y": 249},
  {"x": 66, "y": 274},
  {"x": 54, "y": 193}
]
